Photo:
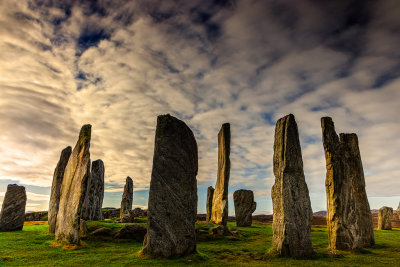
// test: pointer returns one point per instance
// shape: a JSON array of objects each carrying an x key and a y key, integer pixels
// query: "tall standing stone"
[
  {"x": 56, "y": 187},
  {"x": 73, "y": 189},
  {"x": 244, "y": 207},
  {"x": 349, "y": 217},
  {"x": 385, "y": 217},
  {"x": 219, "y": 213},
  {"x": 12, "y": 214},
  {"x": 398, "y": 212},
  {"x": 127, "y": 197},
  {"x": 210, "y": 194},
  {"x": 172, "y": 207},
  {"x": 292, "y": 213}
]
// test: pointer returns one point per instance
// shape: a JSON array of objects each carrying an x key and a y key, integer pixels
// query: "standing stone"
[
  {"x": 385, "y": 218},
  {"x": 93, "y": 203},
  {"x": 210, "y": 194},
  {"x": 172, "y": 208},
  {"x": 12, "y": 214},
  {"x": 349, "y": 218},
  {"x": 292, "y": 213},
  {"x": 398, "y": 211},
  {"x": 244, "y": 207},
  {"x": 73, "y": 189},
  {"x": 56, "y": 187},
  {"x": 127, "y": 197},
  {"x": 219, "y": 213}
]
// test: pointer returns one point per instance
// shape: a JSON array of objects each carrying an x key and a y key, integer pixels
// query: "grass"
[{"x": 33, "y": 246}]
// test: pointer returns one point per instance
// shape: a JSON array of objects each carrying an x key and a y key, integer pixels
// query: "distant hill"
[{"x": 320, "y": 213}]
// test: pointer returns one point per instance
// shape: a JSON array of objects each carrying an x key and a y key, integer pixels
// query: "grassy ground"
[{"x": 33, "y": 247}]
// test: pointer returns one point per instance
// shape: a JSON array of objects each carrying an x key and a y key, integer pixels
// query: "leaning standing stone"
[
  {"x": 56, "y": 187},
  {"x": 73, "y": 189},
  {"x": 292, "y": 213},
  {"x": 244, "y": 207},
  {"x": 219, "y": 213},
  {"x": 385, "y": 218},
  {"x": 127, "y": 198},
  {"x": 210, "y": 194},
  {"x": 12, "y": 214},
  {"x": 172, "y": 207}
]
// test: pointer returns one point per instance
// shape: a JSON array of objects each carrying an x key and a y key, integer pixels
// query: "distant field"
[{"x": 248, "y": 247}]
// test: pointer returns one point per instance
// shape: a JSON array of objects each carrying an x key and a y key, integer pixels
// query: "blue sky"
[{"x": 119, "y": 64}]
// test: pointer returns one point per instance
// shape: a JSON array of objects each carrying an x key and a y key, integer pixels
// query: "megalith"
[
  {"x": 172, "y": 206},
  {"x": 292, "y": 213},
  {"x": 349, "y": 219},
  {"x": 244, "y": 207},
  {"x": 210, "y": 194},
  {"x": 91, "y": 210},
  {"x": 56, "y": 187},
  {"x": 398, "y": 212},
  {"x": 219, "y": 212},
  {"x": 385, "y": 217},
  {"x": 12, "y": 214},
  {"x": 127, "y": 197},
  {"x": 73, "y": 189}
]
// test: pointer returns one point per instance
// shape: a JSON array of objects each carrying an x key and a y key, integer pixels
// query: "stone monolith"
[
  {"x": 172, "y": 207},
  {"x": 398, "y": 212},
  {"x": 219, "y": 213},
  {"x": 56, "y": 187},
  {"x": 73, "y": 190},
  {"x": 244, "y": 207},
  {"x": 127, "y": 197},
  {"x": 91, "y": 210},
  {"x": 349, "y": 219},
  {"x": 292, "y": 213},
  {"x": 12, "y": 214},
  {"x": 210, "y": 194},
  {"x": 385, "y": 217}
]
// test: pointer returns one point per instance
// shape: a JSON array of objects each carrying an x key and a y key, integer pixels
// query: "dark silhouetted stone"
[
  {"x": 73, "y": 190},
  {"x": 219, "y": 213},
  {"x": 292, "y": 213},
  {"x": 172, "y": 205},
  {"x": 127, "y": 197},
  {"x": 210, "y": 194},
  {"x": 244, "y": 207},
  {"x": 56, "y": 186},
  {"x": 385, "y": 217},
  {"x": 12, "y": 214},
  {"x": 83, "y": 230},
  {"x": 101, "y": 232},
  {"x": 349, "y": 217},
  {"x": 129, "y": 231}
]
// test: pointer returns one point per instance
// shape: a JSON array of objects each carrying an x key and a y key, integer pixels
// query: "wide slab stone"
[
  {"x": 349, "y": 218},
  {"x": 58, "y": 177},
  {"x": 12, "y": 214},
  {"x": 219, "y": 213},
  {"x": 73, "y": 190},
  {"x": 127, "y": 198},
  {"x": 385, "y": 217},
  {"x": 244, "y": 207},
  {"x": 172, "y": 206},
  {"x": 210, "y": 194},
  {"x": 292, "y": 213}
]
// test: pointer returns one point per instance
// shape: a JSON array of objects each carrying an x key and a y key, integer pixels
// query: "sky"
[{"x": 118, "y": 64}]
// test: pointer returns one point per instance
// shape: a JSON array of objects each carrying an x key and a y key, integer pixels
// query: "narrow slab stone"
[
  {"x": 56, "y": 186},
  {"x": 172, "y": 207},
  {"x": 210, "y": 194},
  {"x": 398, "y": 211},
  {"x": 12, "y": 214},
  {"x": 292, "y": 213},
  {"x": 91, "y": 210},
  {"x": 349, "y": 218},
  {"x": 219, "y": 213},
  {"x": 127, "y": 197},
  {"x": 73, "y": 189},
  {"x": 385, "y": 217},
  {"x": 244, "y": 207}
]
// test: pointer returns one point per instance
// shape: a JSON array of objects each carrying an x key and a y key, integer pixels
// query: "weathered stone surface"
[
  {"x": 56, "y": 187},
  {"x": 128, "y": 217},
  {"x": 219, "y": 212},
  {"x": 101, "y": 232},
  {"x": 292, "y": 213},
  {"x": 244, "y": 207},
  {"x": 210, "y": 194},
  {"x": 138, "y": 212},
  {"x": 127, "y": 197},
  {"x": 385, "y": 217},
  {"x": 349, "y": 217},
  {"x": 12, "y": 214},
  {"x": 91, "y": 209},
  {"x": 83, "y": 230},
  {"x": 73, "y": 189},
  {"x": 398, "y": 211},
  {"x": 129, "y": 231},
  {"x": 36, "y": 216},
  {"x": 172, "y": 204}
]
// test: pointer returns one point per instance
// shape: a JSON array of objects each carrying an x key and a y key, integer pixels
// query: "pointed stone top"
[
  {"x": 129, "y": 179},
  {"x": 68, "y": 150},
  {"x": 98, "y": 162},
  {"x": 85, "y": 133}
]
